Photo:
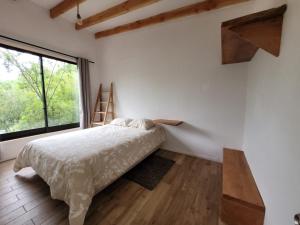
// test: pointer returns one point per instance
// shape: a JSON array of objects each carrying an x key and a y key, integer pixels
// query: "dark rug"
[{"x": 150, "y": 171}]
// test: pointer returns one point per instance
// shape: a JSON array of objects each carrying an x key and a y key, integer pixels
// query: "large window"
[{"x": 38, "y": 94}]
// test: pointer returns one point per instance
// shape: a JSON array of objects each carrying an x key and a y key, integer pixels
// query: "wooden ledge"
[{"x": 168, "y": 122}]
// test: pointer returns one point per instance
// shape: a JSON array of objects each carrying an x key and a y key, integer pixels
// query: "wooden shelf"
[
  {"x": 168, "y": 122},
  {"x": 241, "y": 202},
  {"x": 242, "y": 37}
]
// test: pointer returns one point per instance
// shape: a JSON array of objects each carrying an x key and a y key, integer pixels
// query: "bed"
[{"x": 78, "y": 165}]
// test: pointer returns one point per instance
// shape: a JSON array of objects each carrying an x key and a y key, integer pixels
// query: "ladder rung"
[
  {"x": 98, "y": 123},
  {"x": 106, "y": 103}
]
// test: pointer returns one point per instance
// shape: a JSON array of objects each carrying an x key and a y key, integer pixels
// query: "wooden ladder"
[{"x": 102, "y": 107}]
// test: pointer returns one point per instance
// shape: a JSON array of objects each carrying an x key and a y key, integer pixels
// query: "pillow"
[
  {"x": 142, "y": 123},
  {"x": 123, "y": 122}
]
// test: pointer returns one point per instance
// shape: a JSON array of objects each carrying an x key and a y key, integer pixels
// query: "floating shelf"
[
  {"x": 168, "y": 122},
  {"x": 242, "y": 37}
]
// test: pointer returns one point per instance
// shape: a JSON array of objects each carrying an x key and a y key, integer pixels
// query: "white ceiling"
[{"x": 91, "y": 7}]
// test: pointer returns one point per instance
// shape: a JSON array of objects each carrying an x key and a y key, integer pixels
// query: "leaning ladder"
[{"x": 101, "y": 114}]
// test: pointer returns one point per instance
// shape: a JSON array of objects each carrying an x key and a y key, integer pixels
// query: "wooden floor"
[{"x": 187, "y": 195}]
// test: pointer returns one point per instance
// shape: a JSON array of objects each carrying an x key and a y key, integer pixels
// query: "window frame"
[{"x": 46, "y": 129}]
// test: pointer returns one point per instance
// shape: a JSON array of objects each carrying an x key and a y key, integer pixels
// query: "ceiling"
[{"x": 91, "y": 7}]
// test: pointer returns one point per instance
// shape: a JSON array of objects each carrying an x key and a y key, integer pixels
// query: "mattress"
[{"x": 77, "y": 165}]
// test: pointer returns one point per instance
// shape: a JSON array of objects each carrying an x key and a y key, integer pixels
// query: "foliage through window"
[{"x": 37, "y": 93}]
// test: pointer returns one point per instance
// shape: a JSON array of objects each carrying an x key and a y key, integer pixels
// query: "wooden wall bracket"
[{"x": 242, "y": 37}]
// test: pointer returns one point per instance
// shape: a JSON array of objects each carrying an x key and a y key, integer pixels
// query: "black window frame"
[{"x": 46, "y": 129}]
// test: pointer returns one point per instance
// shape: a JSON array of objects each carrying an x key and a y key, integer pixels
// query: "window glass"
[
  {"x": 21, "y": 95},
  {"x": 38, "y": 94},
  {"x": 62, "y": 92}
]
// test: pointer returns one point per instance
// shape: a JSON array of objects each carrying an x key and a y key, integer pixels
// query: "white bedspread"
[{"x": 77, "y": 165}]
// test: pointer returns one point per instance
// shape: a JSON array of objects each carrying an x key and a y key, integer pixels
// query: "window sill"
[{"x": 33, "y": 132}]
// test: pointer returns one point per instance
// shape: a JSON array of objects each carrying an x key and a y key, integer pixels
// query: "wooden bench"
[{"x": 241, "y": 202}]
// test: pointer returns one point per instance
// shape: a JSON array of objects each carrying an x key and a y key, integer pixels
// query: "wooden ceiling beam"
[
  {"x": 173, "y": 14},
  {"x": 118, "y": 10},
  {"x": 63, "y": 7}
]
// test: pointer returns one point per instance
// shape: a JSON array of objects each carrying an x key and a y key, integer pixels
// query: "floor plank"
[{"x": 187, "y": 195}]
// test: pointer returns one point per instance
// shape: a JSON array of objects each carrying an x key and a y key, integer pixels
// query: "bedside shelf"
[{"x": 168, "y": 122}]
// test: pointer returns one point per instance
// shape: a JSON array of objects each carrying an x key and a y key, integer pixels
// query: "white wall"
[
  {"x": 28, "y": 22},
  {"x": 173, "y": 71},
  {"x": 273, "y": 125}
]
